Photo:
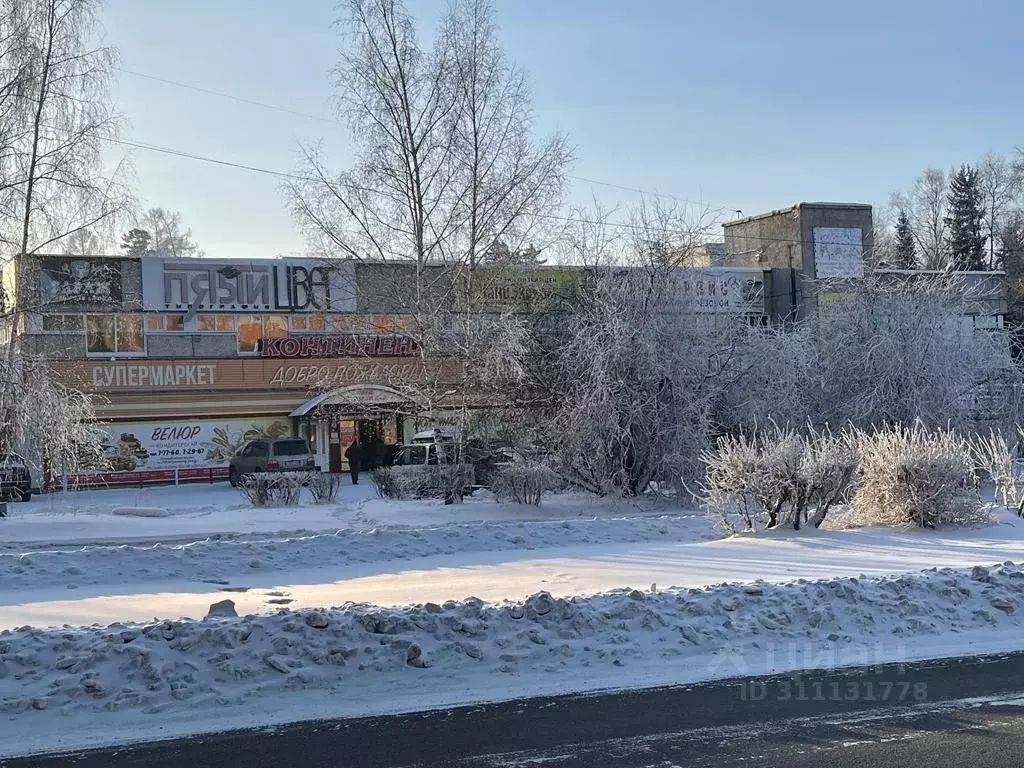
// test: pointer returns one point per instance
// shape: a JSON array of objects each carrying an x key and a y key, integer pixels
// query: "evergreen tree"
[
  {"x": 964, "y": 218},
  {"x": 136, "y": 242},
  {"x": 906, "y": 250}
]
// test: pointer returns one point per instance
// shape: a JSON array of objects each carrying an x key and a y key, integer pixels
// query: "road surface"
[{"x": 920, "y": 714}]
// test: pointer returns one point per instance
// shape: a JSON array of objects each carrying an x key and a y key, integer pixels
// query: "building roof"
[{"x": 796, "y": 207}]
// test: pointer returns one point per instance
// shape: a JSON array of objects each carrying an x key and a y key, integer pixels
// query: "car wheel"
[{"x": 24, "y": 495}]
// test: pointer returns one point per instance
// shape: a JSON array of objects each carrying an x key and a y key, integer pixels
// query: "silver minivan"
[{"x": 279, "y": 454}]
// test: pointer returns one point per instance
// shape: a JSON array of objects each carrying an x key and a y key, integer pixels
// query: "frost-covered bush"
[
  {"x": 524, "y": 482},
  {"x": 323, "y": 486},
  {"x": 778, "y": 477},
  {"x": 273, "y": 489},
  {"x": 755, "y": 479},
  {"x": 995, "y": 461},
  {"x": 829, "y": 471},
  {"x": 916, "y": 476},
  {"x": 449, "y": 481}
]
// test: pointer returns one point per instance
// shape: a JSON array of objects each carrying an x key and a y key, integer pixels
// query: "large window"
[
  {"x": 250, "y": 330},
  {"x": 114, "y": 334},
  {"x": 61, "y": 323},
  {"x": 216, "y": 323},
  {"x": 173, "y": 323}
]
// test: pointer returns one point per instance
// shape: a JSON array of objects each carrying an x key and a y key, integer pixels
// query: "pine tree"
[
  {"x": 136, "y": 242},
  {"x": 906, "y": 249},
  {"x": 966, "y": 212}
]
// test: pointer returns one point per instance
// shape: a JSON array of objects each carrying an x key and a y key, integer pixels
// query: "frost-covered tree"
[
  {"x": 925, "y": 206},
  {"x": 903, "y": 348},
  {"x": 167, "y": 235}
]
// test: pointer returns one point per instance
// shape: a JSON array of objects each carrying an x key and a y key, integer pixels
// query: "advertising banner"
[
  {"x": 187, "y": 448},
  {"x": 79, "y": 280}
]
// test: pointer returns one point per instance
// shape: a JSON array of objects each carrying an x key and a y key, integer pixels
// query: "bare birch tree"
[
  {"x": 925, "y": 206},
  {"x": 54, "y": 119},
  {"x": 1000, "y": 181},
  {"x": 445, "y": 167}
]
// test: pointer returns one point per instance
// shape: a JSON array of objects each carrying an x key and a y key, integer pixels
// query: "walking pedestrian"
[{"x": 354, "y": 454}]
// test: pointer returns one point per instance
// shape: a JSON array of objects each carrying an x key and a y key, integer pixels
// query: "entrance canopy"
[{"x": 357, "y": 397}]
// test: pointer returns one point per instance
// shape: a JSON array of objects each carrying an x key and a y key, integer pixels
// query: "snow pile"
[
  {"x": 219, "y": 559},
  {"x": 369, "y": 653}
]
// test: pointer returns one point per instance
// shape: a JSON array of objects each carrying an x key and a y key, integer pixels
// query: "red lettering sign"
[{"x": 348, "y": 345}]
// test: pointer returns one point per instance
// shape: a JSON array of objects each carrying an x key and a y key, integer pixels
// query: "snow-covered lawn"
[
  {"x": 74, "y": 687},
  {"x": 196, "y": 511}
]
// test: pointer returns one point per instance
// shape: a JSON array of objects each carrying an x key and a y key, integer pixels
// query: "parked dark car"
[
  {"x": 15, "y": 478},
  {"x": 281, "y": 454}
]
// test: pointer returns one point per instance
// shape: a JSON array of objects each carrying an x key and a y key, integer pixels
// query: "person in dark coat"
[{"x": 354, "y": 454}]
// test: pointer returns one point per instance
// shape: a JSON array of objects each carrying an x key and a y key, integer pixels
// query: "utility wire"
[
  {"x": 550, "y": 216},
  {"x": 321, "y": 118}
]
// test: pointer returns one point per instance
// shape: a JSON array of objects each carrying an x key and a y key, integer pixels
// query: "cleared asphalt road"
[{"x": 915, "y": 714}]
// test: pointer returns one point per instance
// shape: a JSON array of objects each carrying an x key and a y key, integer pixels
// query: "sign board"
[
  {"x": 79, "y": 280},
  {"x": 258, "y": 285},
  {"x": 183, "y": 444},
  {"x": 518, "y": 289},
  {"x": 346, "y": 345},
  {"x": 251, "y": 374},
  {"x": 838, "y": 252},
  {"x": 718, "y": 291}
]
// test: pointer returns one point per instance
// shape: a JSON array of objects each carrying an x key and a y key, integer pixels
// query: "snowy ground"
[
  {"x": 105, "y": 685},
  {"x": 72, "y": 561},
  {"x": 189, "y": 512}
]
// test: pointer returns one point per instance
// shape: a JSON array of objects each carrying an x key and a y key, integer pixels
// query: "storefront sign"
[
  {"x": 263, "y": 374},
  {"x": 718, "y": 291},
  {"x": 130, "y": 375},
  {"x": 149, "y": 450},
  {"x": 79, "y": 280},
  {"x": 276, "y": 285},
  {"x": 519, "y": 289},
  {"x": 348, "y": 345}
]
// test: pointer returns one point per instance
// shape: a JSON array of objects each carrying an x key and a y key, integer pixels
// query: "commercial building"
[{"x": 186, "y": 359}]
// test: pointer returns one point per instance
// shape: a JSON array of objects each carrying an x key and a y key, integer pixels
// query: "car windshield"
[{"x": 290, "y": 448}]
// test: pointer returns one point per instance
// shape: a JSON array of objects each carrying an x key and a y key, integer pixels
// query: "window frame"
[{"x": 114, "y": 317}]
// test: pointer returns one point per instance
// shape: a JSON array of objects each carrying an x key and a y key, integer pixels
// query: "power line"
[
  {"x": 321, "y": 118},
  {"x": 550, "y": 216}
]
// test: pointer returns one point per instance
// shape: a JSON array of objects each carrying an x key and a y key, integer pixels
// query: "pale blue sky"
[{"x": 746, "y": 104}]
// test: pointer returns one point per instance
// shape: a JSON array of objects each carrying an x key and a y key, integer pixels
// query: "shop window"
[
  {"x": 100, "y": 334},
  {"x": 317, "y": 323},
  {"x": 174, "y": 322},
  {"x": 61, "y": 323},
  {"x": 298, "y": 323},
  {"x": 275, "y": 326},
  {"x": 114, "y": 334},
  {"x": 381, "y": 324},
  {"x": 250, "y": 329},
  {"x": 215, "y": 323},
  {"x": 130, "y": 338},
  {"x": 206, "y": 322},
  {"x": 154, "y": 322}
]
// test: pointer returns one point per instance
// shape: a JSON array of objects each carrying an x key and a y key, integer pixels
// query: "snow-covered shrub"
[
  {"x": 756, "y": 479},
  {"x": 323, "y": 486},
  {"x": 916, "y": 476},
  {"x": 828, "y": 470},
  {"x": 273, "y": 489},
  {"x": 448, "y": 481},
  {"x": 993, "y": 461},
  {"x": 524, "y": 482}
]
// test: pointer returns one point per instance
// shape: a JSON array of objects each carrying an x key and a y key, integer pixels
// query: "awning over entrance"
[{"x": 358, "y": 396}]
